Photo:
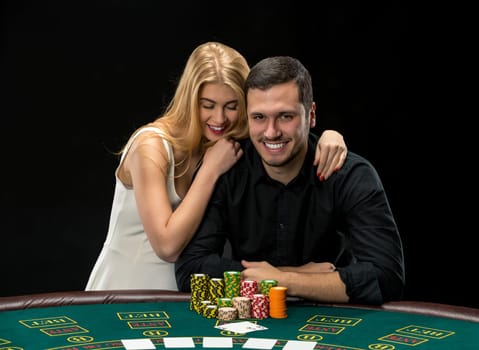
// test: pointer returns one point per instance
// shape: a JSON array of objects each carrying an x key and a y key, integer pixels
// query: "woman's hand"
[
  {"x": 221, "y": 156},
  {"x": 330, "y": 154}
]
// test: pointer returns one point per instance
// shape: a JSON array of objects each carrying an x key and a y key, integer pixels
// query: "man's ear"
[{"x": 312, "y": 116}]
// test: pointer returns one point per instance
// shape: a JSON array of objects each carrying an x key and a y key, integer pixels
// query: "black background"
[{"x": 78, "y": 77}]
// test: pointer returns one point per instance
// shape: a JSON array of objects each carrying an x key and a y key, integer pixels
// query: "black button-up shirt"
[{"x": 345, "y": 220}]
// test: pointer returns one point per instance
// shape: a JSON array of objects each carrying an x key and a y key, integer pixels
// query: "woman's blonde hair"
[{"x": 210, "y": 62}]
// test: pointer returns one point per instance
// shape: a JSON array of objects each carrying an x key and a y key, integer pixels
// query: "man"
[{"x": 328, "y": 241}]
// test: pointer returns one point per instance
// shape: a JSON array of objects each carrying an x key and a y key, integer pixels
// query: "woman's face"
[{"x": 218, "y": 105}]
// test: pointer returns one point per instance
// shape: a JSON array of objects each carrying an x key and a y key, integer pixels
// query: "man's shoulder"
[
  {"x": 356, "y": 164},
  {"x": 355, "y": 159},
  {"x": 245, "y": 143},
  {"x": 246, "y": 164},
  {"x": 249, "y": 151}
]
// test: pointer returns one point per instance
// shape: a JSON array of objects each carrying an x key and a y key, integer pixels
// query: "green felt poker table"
[{"x": 102, "y": 319}]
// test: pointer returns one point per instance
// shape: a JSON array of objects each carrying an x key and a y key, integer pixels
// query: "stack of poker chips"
[
  {"x": 248, "y": 288},
  {"x": 222, "y": 302},
  {"x": 266, "y": 285},
  {"x": 232, "y": 283},
  {"x": 243, "y": 305},
  {"x": 277, "y": 302},
  {"x": 260, "y": 306},
  {"x": 199, "y": 291},
  {"x": 232, "y": 298},
  {"x": 207, "y": 309},
  {"x": 216, "y": 289},
  {"x": 210, "y": 311},
  {"x": 227, "y": 313}
]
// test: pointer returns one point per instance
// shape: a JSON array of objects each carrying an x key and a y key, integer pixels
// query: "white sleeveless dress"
[{"x": 127, "y": 260}]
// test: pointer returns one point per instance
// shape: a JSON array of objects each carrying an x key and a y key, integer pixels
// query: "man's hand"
[{"x": 259, "y": 270}]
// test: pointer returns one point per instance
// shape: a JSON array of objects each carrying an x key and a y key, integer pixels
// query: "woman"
[{"x": 168, "y": 170}]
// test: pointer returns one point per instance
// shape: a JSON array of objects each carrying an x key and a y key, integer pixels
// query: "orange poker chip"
[{"x": 277, "y": 302}]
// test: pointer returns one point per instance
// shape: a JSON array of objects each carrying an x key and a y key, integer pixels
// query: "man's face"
[{"x": 278, "y": 126}]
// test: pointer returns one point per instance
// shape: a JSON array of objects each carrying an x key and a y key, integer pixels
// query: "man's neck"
[{"x": 289, "y": 171}]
